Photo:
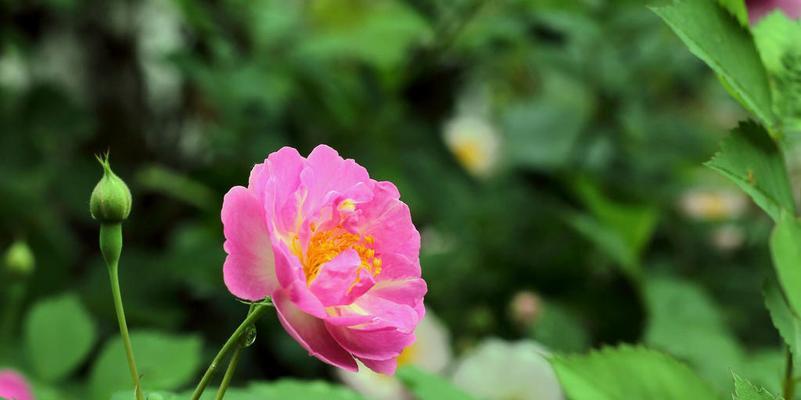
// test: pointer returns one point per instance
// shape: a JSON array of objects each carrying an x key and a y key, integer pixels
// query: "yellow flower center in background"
[
  {"x": 324, "y": 246},
  {"x": 470, "y": 154},
  {"x": 408, "y": 355}
]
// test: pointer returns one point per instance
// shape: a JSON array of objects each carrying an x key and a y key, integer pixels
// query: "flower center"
[{"x": 324, "y": 246}]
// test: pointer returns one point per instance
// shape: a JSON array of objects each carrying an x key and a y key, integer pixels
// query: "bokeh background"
[{"x": 551, "y": 153}]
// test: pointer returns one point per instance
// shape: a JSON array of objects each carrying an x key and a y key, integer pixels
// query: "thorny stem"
[{"x": 234, "y": 340}]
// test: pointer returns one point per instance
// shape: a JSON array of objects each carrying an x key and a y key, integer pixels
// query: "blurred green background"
[{"x": 550, "y": 152}]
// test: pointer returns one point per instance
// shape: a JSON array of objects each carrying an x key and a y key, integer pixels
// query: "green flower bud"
[
  {"x": 19, "y": 259},
  {"x": 111, "y": 198}
]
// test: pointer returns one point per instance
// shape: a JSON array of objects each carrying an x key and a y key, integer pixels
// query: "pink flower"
[
  {"x": 13, "y": 386},
  {"x": 335, "y": 250},
  {"x": 760, "y": 8}
]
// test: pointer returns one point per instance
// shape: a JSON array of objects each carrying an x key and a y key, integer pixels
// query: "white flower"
[
  {"x": 713, "y": 204},
  {"x": 500, "y": 370},
  {"x": 430, "y": 352},
  {"x": 475, "y": 143},
  {"x": 728, "y": 237}
]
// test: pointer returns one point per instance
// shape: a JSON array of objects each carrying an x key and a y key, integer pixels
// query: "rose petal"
[
  {"x": 386, "y": 367},
  {"x": 389, "y": 221},
  {"x": 328, "y": 174},
  {"x": 14, "y": 386},
  {"x": 378, "y": 344},
  {"x": 311, "y": 333},
  {"x": 333, "y": 282},
  {"x": 249, "y": 268}
]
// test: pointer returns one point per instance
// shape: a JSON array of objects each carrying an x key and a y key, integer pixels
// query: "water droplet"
[{"x": 250, "y": 336}]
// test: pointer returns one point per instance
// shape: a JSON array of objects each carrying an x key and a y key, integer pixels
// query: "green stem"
[
  {"x": 16, "y": 291},
  {"x": 229, "y": 373},
  {"x": 111, "y": 247},
  {"x": 234, "y": 340},
  {"x": 789, "y": 382},
  {"x": 126, "y": 338}
]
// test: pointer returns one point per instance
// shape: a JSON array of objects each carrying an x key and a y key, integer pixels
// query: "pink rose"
[
  {"x": 335, "y": 250},
  {"x": 760, "y": 8},
  {"x": 13, "y": 386}
]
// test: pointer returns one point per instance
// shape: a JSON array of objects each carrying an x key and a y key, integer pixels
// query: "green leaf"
[
  {"x": 716, "y": 37},
  {"x": 559, "y": 330},
  {"x": 778, "y": 40},
  {"x": 427, "y": 386},
  {"x": 164, "y": 361},
  {"x": 296, "y": 389},
  {"x": 736, "y": 8},
  {"x": 788, "y": 325},
  {"x": 129, "y": 394},
  {"x": 59, "y": 334},
  {"x": 752, "y": 160},
  {"x": 542, "y": 132},
  {"x": 785, "y": 247},
  {"x": 685, "y": 322},
  {"x": 626, "y": 373},
  {"x": 283, "y": 389},
  {"x": 744, "y": 390},
  {"x": 378, "y": 33},
  {"x": 620, "y": 230}
]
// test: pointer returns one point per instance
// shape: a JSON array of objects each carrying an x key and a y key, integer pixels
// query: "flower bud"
[
  {"x": 111, "y": 198},
  {"x": 525, "y": 308},
  {"x": 19, "y": 259}
]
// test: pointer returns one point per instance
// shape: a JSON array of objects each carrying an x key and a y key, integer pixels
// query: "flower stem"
[
  {"x": 16, "y": 291},
  {"x": 229, "y": 373},
  {"x": 232, "y": 341},
  {"x": 111, "y": 246},
  {"x": 789, "y": 382}
]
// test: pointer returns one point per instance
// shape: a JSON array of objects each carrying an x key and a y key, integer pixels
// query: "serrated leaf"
[
  {"x": 785, "y": 247},
  {"x": 685, "y": 322},
  {"x": 626, "y": 373},
  {"x": 752, "y": 160},
  {"x": 744, "y": 390},
  {"x": 778, "y": 40},
  {"x": 717, "y": 38},
  {"x": 788, "y": 325},
  {"x": 164, "y": 361},
  {"x": 59, "y": 334},
  {"x": 427, "y": 386}
]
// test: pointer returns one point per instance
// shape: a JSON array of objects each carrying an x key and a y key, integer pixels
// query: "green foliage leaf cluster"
[
  {"x": 165, "y": 362},
  {"x": 715, "y": 37},
  {"x": 629, "y": 373},
  {"x": 59, "y": 334}
]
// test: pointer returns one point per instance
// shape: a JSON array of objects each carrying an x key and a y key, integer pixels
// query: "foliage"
[
  {"x": 602, "y": 118},
  {"x": 629, "y": 373}
]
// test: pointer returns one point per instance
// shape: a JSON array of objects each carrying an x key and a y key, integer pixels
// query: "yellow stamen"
[{"x": 324, "y": 246}]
